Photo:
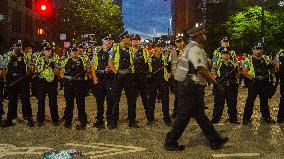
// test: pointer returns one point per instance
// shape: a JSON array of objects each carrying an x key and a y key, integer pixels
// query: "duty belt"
[
  {"x": 16, "y": 74},
  {"x": 123, "y": 71},
  {"x": 70, "y": 78},
  {"x": 100, "y": 71}
]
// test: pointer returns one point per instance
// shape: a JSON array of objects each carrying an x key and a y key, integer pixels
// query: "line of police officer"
[{"x": 129, "y": 66}]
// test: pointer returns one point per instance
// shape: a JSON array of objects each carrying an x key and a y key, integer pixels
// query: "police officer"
[
  {"x": 17, "y": 66},
  {"x": 159, "y": 81},
  {"x": 75, "y": 70},
  {"x": 121, "y": 63},
  {"x": 141, "y": 70},
  {"x": 225, "y": 45},
  {"x": 174, "y": 58},
  {"x": 103, "y": 80},
  {"x": 193, "y": 74},
  {"x": 226, "y": 71},
  {"x": 257, "y": 70},
  {"x": 280, "y": 72},
  {"x": 47, "y": 68}
]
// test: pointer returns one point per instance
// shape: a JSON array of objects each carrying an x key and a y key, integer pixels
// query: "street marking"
[
  {"x": 95, "y": 150},
  {"x": 11, "y": 150},
  {"x": 107, "y": 149},
  {"x": 235, "y": 155}
]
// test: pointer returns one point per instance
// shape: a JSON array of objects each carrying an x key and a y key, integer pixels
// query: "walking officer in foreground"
[
  {"x": 192, "y": 74},
  {"x": 75, "y": 70},
  {"x": 47, "y": 70},
  {"x": 226, "y": 71},
  {"x": 257, "y": 70},
  {"x": 103, "y": 80},
  {"x": 18, "y": 69}
]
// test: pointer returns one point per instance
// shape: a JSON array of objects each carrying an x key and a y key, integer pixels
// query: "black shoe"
[
  {"x": 280, "y": 121},
  {"x": 214, "y": 121},
  {"x": 80, "y": 126},
  {"x": 269, "y": 121},
  {"x": 31, "y": 123},
  {"x": 39, "y": 124},
  {"x": 174, "y": 115},
  {"x": 99, "y": 124},
  {"x": 68, "y": 125},
  {"x": 57, "y": 123},
  {"x": 234, "y": 122},
  {"x": 7, "y": 123},
  {"x": 246, "y": 122},
  {"x": 133, "y": 125},
  {"x": 151, "y": 122},
  {"x": 176, "y": 147},
  {"x": 218, "y": 144},
  {"x": 112, "y": 126},
  {"x": 168, "y": 123}
]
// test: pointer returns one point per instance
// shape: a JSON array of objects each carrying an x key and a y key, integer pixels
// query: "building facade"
[
  {"x": 21, "y": 21},
  {"x": 185, "y": 14}
]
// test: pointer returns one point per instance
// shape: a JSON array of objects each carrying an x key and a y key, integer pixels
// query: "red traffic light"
[
  {"x": 40, "y": 31},
  {"x": 43, "y": 7}
]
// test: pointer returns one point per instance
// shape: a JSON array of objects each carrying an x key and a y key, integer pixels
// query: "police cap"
[
  {"x": 135, "y": 37},
  {"x": 224, "y": 39},
  {"x": 18, "y": 43},
  {"x": 123, "y": 35},
  {"x": 47, "y": 47},
  {"x": 198, "y": 29},
  {"x": 107, "y": 37},
  {"x": 257, "y": 45},
  {"x": 159, "y": 43}
]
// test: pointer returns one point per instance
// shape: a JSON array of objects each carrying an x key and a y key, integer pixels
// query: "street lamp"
[{"x": 171, "y": 29}]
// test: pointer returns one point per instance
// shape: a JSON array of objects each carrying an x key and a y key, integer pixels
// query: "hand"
[
  {"x": 95, "y": 81},
  {"x": 107, "y": 69}
]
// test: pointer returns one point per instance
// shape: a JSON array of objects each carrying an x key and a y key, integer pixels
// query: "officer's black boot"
[
  {"x": 133, "y": 124},
  {"x": 172, "y": 145},
  {"x": 7, "y": 123},
  {"x": 31, "y": 123},
  {"x": 81, "y": 126},
  {"x": 99, "y": 123},
  {"x": 216, "y": 145}
]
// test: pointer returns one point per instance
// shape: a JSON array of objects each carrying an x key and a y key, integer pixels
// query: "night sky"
[{"x": 143, "y": 16}]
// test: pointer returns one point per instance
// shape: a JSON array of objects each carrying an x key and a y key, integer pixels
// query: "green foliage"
[
  {"x": 99, "y": 17},
  {"x": 244, "y": 28}
]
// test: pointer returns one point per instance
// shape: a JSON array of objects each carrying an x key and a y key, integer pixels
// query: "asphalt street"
[{"x": 255, "y": 141}]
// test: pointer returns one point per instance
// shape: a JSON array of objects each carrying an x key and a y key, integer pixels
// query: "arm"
[{"x": 203, "y": 71}]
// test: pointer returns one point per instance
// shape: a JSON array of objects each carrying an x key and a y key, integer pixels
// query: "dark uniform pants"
[
  {"x": 1, "y": 98},
  {"x": 49, "y": 88},
  {"x": 142, "y": 90},
  {"x": 175, "y": 82},
  {"x": 19, "y": 88},
  {"x": 230, "y": 96},
  {"x": 103, "y": 91},
  {"x": 280, "y": 115},
  {"x": 163, "y": 86},
  {"x": 126, "y": 82},
  {"x": 257, "y": 88},
  {"x": 191, "y": 104},
  {"x": 75, "y": 89}
]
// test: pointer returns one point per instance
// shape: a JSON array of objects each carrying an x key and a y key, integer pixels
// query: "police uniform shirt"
[
  {"x": 174, "y": 56},
  {"x": 157, "y": 64},
  {"x": 259, "y": 65},
  {"x": 139, "y": 62},
  {"x": 124, "y": 61},
  {"x": 197, "y": 56},
  {"x": 103, "y": 57}
]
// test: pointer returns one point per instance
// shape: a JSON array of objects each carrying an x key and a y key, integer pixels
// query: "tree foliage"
[
  {"x": 244, "y": 28},
  {"x": 99, "y": 17},
  {"x": 240, "y": 20}
]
